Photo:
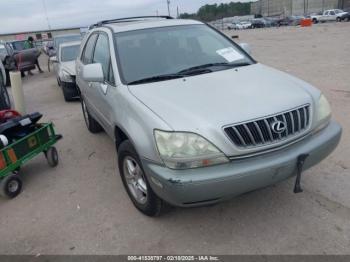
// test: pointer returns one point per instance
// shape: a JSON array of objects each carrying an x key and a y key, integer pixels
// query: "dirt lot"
[{"x": 81, "y": 206}]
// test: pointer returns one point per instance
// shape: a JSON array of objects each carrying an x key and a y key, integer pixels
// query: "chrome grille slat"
[
  {"x": 285, "y": 120},
  {"x": 239, "y": 136},
  {"x": 292, "y": 119},
  {"x": 299, "y": 120},
  {"x": 249, "y": 134},
  {"x": 305, "y": 117},
  {"x": 259, "y": 132},
  {"x": 268, "y": 129}
]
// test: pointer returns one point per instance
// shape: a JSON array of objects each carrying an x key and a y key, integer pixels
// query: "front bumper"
[{"x": 202, "y": 186}]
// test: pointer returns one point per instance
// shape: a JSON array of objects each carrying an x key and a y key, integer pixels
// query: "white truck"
[{"x": 331, "y": 15}]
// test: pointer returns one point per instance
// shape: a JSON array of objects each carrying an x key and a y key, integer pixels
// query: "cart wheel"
[
  {"x": 52, "y": 156},
  {"x": 11, "y": 186}
]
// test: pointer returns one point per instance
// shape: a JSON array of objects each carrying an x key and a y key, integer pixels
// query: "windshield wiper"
[
  {"x": 205, "y": 66},
  {"x": 156, "y": 78}
]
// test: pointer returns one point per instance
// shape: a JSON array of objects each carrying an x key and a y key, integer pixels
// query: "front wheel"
[
  {"x": 135, "y": 181},
  {"x": 5, "y": 102},
  {"x": 338, "y": 19},
  {"x": 11, "y": 186}
]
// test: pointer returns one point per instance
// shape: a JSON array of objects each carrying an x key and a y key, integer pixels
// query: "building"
[
  {"x": 39, "y": 35},
  {"x": 295, "y": 7}
]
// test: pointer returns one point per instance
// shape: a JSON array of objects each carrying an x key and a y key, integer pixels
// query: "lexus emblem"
[{"x": 278, "y": 126}]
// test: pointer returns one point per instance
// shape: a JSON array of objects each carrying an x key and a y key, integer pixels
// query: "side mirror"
[
  {"x": 93, "y": 73},
  {"x": 53, "y": 59},
  {"x": 246, "y": 47}
]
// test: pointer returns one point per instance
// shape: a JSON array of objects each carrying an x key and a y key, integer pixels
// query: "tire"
[
  {"x": 314, "y": 21},
  {"x": 58, "y": 82},
  {"x": 338, "y": 19},
  {"x": 5, "y": 102},
  {"x": 52, "y": 156},
  {"x": 150, "y": 205},
  {"x": 92, "y": 125},
  {"x": 8, "y": 81},
  {"x": 11, "y": 186},
  {"x": 68, "y": 94}
]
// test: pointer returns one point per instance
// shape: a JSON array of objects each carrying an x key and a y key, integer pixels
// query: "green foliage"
[{"x": 215, "y": 11}]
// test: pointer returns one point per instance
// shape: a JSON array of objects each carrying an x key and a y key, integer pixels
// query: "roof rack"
[{"x": 127, "y": 19}]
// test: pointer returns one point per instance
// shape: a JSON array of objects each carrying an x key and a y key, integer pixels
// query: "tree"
[{"x": 213, "y": 12}]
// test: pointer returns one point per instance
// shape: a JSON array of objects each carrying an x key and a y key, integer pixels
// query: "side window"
[
  {"x": 332, "y": 13},
  {"x": 86, "y": 57},
  {"x": 101, "y": 54},
  {"x": 111, "y": 73}
]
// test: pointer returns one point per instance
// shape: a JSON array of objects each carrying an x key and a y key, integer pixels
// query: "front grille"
[{"x": 260, "y": 132}]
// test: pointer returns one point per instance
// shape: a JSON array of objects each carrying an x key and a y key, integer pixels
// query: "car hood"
[
  {"x": 69, "y": 67},
  {"x": 213, "y": 100}
]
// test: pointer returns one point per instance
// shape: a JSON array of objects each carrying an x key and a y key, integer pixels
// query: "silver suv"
[{"x": 195, "y": 119}]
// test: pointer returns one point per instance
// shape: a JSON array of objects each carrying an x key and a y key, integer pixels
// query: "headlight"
[
  {"x": 66, "y": 77},
  {"x": 323, "y": 110},
  {"x": 180, "y": 150}
]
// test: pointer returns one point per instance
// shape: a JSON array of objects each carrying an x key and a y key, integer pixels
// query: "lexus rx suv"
[{"x": 194, "y": 118}]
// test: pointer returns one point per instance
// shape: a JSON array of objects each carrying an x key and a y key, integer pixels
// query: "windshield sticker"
[{"x": 230, "y": 54}]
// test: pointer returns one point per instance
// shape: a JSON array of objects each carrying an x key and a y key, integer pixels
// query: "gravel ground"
[{"x": 81, "y": 207}]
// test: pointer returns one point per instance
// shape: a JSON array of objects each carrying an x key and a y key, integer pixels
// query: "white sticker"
[{"x": 230, "y": 54}]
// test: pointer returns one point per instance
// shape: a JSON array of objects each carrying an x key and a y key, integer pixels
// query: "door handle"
[{"x": 104, "y": 88}]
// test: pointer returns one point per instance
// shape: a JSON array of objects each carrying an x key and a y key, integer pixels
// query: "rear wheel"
[
  {"x": 11, "y": 186},
  {"x": 92, "y": 125},
  {"x": 52, "y": 156},
  {"x": 135, "y": 181},
  {"x": 338, "y": 19}
]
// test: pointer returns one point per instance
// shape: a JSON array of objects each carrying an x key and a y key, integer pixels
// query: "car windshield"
[
  {"x": 18, "y": 46},
  {"x": 64, "y": 39},
  {"x": 69, "y": 53},
  {"x": 162, "y": 51}
]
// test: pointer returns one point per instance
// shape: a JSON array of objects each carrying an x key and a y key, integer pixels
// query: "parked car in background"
[
  {"x": 315, "y": 17},
  {"x": 345, "y": 16},
  {"x": 64, "y": 68},
  {"x": 197, "y": 122},
  {"x": 47, "y": 46},
  {"x": 243, "y": 25},
  {"x": 15, "y": 57},
  {"x": 290, "y": 21},
  {"x": 332, "y": 15},
  {"x": 60, "y": 39},
  {"x": 5, "y": 102},
  {"x": 258, "y": 23}
]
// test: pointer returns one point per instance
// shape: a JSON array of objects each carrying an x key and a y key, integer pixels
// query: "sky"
[{"x": 29, "y": 15}]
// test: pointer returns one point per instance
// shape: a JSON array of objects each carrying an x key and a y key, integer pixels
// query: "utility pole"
[
  {"x": 47, "y": 17},
  {"x": 322, "y": 5},
  {"x": 177, "y": 12},
  {"x": 168, "y": 3}
]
